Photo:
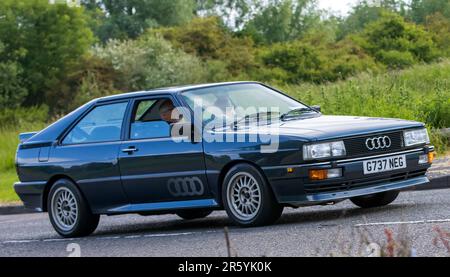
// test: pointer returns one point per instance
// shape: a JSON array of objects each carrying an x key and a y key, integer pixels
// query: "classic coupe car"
[{"x": 126, "y": 154}]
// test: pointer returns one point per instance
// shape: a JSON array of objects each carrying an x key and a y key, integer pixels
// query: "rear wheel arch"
[{"x": 49, "y": 186}]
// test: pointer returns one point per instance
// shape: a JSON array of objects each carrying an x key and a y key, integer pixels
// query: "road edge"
[{"x": 15, "y": 210}]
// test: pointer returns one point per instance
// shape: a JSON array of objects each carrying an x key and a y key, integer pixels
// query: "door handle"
[{"x": 130, "y": 150}]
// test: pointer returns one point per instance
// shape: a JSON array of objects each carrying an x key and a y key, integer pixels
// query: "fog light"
[
  {"x": 423, "y": 159},
  {"x": 334, "y": 173},
  {"x": 323, "y": 174},
  {"x": 427, "y": 159}
]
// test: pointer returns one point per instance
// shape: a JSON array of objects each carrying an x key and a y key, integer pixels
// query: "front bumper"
[{"x": 296, "y": 189}]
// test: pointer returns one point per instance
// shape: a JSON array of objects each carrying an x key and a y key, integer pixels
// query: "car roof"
[{"x": 168, "y": 90}]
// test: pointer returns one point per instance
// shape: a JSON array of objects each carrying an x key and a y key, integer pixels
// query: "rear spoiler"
[{"x": 26, "y": 136}]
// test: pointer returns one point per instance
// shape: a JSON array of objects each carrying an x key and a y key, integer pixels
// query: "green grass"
[
  {"x": 9, "y": 139},
  {"x": 7, "y": 194}
]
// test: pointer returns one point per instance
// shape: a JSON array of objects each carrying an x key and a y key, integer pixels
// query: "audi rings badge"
[
  {"x": 184, "y": 187},
  {"x": 378, "y": 143}
]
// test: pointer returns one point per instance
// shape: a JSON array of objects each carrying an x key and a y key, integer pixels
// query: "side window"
[
  {"x": 102, "y": 124},
  {"x": 144, "y": 109},
  {"x": 149, "y": 120}
]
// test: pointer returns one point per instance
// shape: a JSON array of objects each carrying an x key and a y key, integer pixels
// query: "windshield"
[{"x": 233, "y": 104}]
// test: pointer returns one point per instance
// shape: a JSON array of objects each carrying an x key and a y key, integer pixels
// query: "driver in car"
[{"x": 170, "y": 114}]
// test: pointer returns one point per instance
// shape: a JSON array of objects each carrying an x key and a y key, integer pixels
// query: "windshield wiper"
[
  {"x": 297, "y": 112},
  {"x": 258, "y": 117}
]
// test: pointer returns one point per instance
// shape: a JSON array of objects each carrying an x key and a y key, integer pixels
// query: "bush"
[
  {"x": 314, "y": 60},
  {"x": 150, "y": 62},
  {"x": 208, "y": 39},
  {"x": 436, "y": 111},
  {"x": 217, "y": 71},
  {"x": 91, "y": 78},
  {"x": 397, "y": 43},
  {"x": 15, "y": 118},
  {"x": 299, "y": 60},
  {"x": 439, "y": 26},
  {"x": 396, "y": 59}
]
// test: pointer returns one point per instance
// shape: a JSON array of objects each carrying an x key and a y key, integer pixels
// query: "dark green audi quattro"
[{"x": 252, "y": 151}]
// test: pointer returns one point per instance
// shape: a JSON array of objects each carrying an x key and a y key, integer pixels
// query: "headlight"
[
  {"x": 324, "y": 150},
  {"x": 416, "y": 137}
]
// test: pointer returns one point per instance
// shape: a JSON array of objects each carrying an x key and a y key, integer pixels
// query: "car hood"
[
  {"x": 326, "y": 127},
  {"x": 330, "y": 127}
]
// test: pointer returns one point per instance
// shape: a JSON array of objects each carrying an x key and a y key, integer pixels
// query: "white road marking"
[
  {"x": 10, "y": 221},
  {"x": 19, "y": 241},
  {"x": 170, "y": 235},
  {"x": 132, "y": 237},
  {"x": 404, "y": 222},
  {"x": 108, "y": 238},
  {"x": 57, "y": 240}
]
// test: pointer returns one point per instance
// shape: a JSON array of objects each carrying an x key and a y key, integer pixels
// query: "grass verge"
[{"x": 7, "y": 194}]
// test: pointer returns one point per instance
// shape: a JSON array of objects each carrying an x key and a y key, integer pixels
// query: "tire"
[
  {"x": 193, "y": 214},
  {"x": 245, "y": 185},
  {"x": 75, "y": 218},
  {"x": 376, "y": 200}
]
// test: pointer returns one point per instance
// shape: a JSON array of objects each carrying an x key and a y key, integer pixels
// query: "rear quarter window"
[{"x": 102, "y": 124}]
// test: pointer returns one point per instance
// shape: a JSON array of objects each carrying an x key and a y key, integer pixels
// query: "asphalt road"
[{"x": 312, "y": 231}]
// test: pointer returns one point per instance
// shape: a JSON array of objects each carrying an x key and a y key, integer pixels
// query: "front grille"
[
  {"x": 361, "y": 183},
  {"x": 356, "y": 147}
]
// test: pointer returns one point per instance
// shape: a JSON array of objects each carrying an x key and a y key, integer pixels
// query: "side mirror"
[{"x": 317, "y": 108}]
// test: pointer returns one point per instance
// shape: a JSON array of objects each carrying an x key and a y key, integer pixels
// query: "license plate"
[{"x": 384, "y": 164}]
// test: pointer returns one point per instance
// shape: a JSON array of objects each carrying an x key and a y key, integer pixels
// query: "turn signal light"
[
  {"x": 323, "y": 174},
  {"x": 431, "y": 157},
  {"x": 318, "y": 174}
]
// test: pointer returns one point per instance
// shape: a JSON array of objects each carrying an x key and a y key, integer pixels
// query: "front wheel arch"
[
  {"x": 268, "y": 209},
  {"x": 228, "y": 167}
]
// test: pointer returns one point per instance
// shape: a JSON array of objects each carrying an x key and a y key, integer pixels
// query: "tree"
[
  {"x": 421, "y": 9},
  {"x": 12, "y": 92},
  {"x": 366, "y": 12},
  {"x": 397, "y": 43},
  {"x": 130, "y": 18},
  {"x": 234, "y": 13},
  {"x": 45, "y": 40},
  {"x": 439, "y": 26},
  {"x": 282, "y": 20}
]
